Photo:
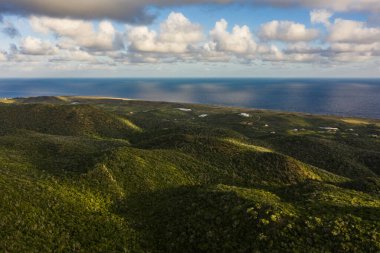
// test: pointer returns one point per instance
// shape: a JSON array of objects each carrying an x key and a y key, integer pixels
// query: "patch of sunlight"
[
  {"x": 7, "y": 101},
  {"x": 309, "y": 173},
  {"x": 300, "y": 132},
  {"x": 361, "y": 121},
  {"x": 102, "y": 174},
  {"x": 259, "y": 196},
  {"x": 298, "y": 121},
  {"x": 77, "y": 196},
  {"x": 356, "y": 121},
  {"x": 65, "y": 99},
  {"x": 101, "y": 98},
  {"x": 248, "y": 146},
  {"x": 130, "y": 124}
]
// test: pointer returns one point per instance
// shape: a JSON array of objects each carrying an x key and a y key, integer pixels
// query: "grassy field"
[{"x": 82, "y": 174}]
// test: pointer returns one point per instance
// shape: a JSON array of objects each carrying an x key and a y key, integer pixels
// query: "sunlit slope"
[{"x": 108, "y": 175}]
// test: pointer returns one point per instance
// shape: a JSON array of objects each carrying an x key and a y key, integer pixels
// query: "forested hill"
[{"x": 82, "y": 174}]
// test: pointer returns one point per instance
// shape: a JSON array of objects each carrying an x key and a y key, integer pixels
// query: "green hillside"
[{"x": 82, "y": 174}]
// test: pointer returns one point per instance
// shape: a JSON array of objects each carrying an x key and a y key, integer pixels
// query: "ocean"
[{"x": 342, "y": 97}]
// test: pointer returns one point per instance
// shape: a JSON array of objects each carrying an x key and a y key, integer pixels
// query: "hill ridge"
[{"x": 117, "y": 175}]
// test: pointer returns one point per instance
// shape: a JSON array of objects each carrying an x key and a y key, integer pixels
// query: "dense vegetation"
[{"x": 105, "y": 175}]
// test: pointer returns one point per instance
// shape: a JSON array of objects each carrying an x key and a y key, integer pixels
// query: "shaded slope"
[
  {"x": 64, "y": 120},
  {"x": 245, "y": 163},
  {"x": 232, "y": 219},
  {"x": 327, "y": 154},
  {"x": 59, "y": 155}
]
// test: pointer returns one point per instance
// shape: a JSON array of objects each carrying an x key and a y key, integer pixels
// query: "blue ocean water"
[{"x": 344, "y": 97}]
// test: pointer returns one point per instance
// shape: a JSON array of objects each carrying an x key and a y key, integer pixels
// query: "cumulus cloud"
[
  {"x": 238, "y": 44},
  {"x": 352, "y": 41},
  {"x": 176, "y": 35},
  {"x": 82, "y": 33},
  {"x": 321, "y": 17},
  {"x": 287, "y": 31},
  {"x": 3, "y": 57},
  {"x": 75, "y": 56},
  {"x": 178, "y": 39},
  {"x": 369, "y": 49},
  {"x": 350, "y": 31},
  {"x": 239, "y": 41},
  {"x": 350, "y": 57},
  {"x": 35, "y": 46},
  {"x": 304, "y": 52},
  {"x": 303, "y": 48},
  {"x": 177, "y": 28}
]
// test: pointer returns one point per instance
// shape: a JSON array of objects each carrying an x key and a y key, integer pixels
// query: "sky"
[{"x": 189, "y": 38}]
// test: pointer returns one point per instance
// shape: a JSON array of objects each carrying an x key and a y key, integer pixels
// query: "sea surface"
[{"x": 343, "y": 97}]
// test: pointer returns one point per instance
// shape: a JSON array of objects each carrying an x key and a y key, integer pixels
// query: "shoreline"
[{"x": 70, "y": 99}]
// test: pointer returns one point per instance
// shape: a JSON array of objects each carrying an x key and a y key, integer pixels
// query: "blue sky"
[{"x": 127, "y": 38}]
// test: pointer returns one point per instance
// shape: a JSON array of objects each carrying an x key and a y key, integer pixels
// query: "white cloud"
[
  {"x": 353, "y": 31},
  {"x": 350, "y": 57},
  {"x": 321, "y": 17},
  {"x": 238, "y": 45},
  {"x": 178, "y": 39},
  {"x": 239, "y": 41},
  {"x": 287, "y": 31},
  {"x": 75, "y": 56},
  {"x": 83, "y": 33},
  {"x": 176, "y": 35},
  {"x": 358, "y": 48},
  {"x": 271, "y": 53},
  {"x": 303, "y": 52},
  {"x": 353, "y": 41},
  {"x": 177, "y": 28},
  {"x": 3, "y": 57},
  {"x": 354, "y": 52},
  {"x": 308, "y": 58},
  {"x": 35, "y": 46}
]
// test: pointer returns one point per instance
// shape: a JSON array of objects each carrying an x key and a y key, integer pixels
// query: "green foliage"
[
  {"x": 105, "y": 175},
  {"x": 64, "y": 120}
]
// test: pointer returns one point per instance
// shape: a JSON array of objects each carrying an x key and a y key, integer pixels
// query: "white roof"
[
  {"x": 244, "y": 115},
  {"x": 184, "y": 109},
  {"x": 329, "y": 128}
]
